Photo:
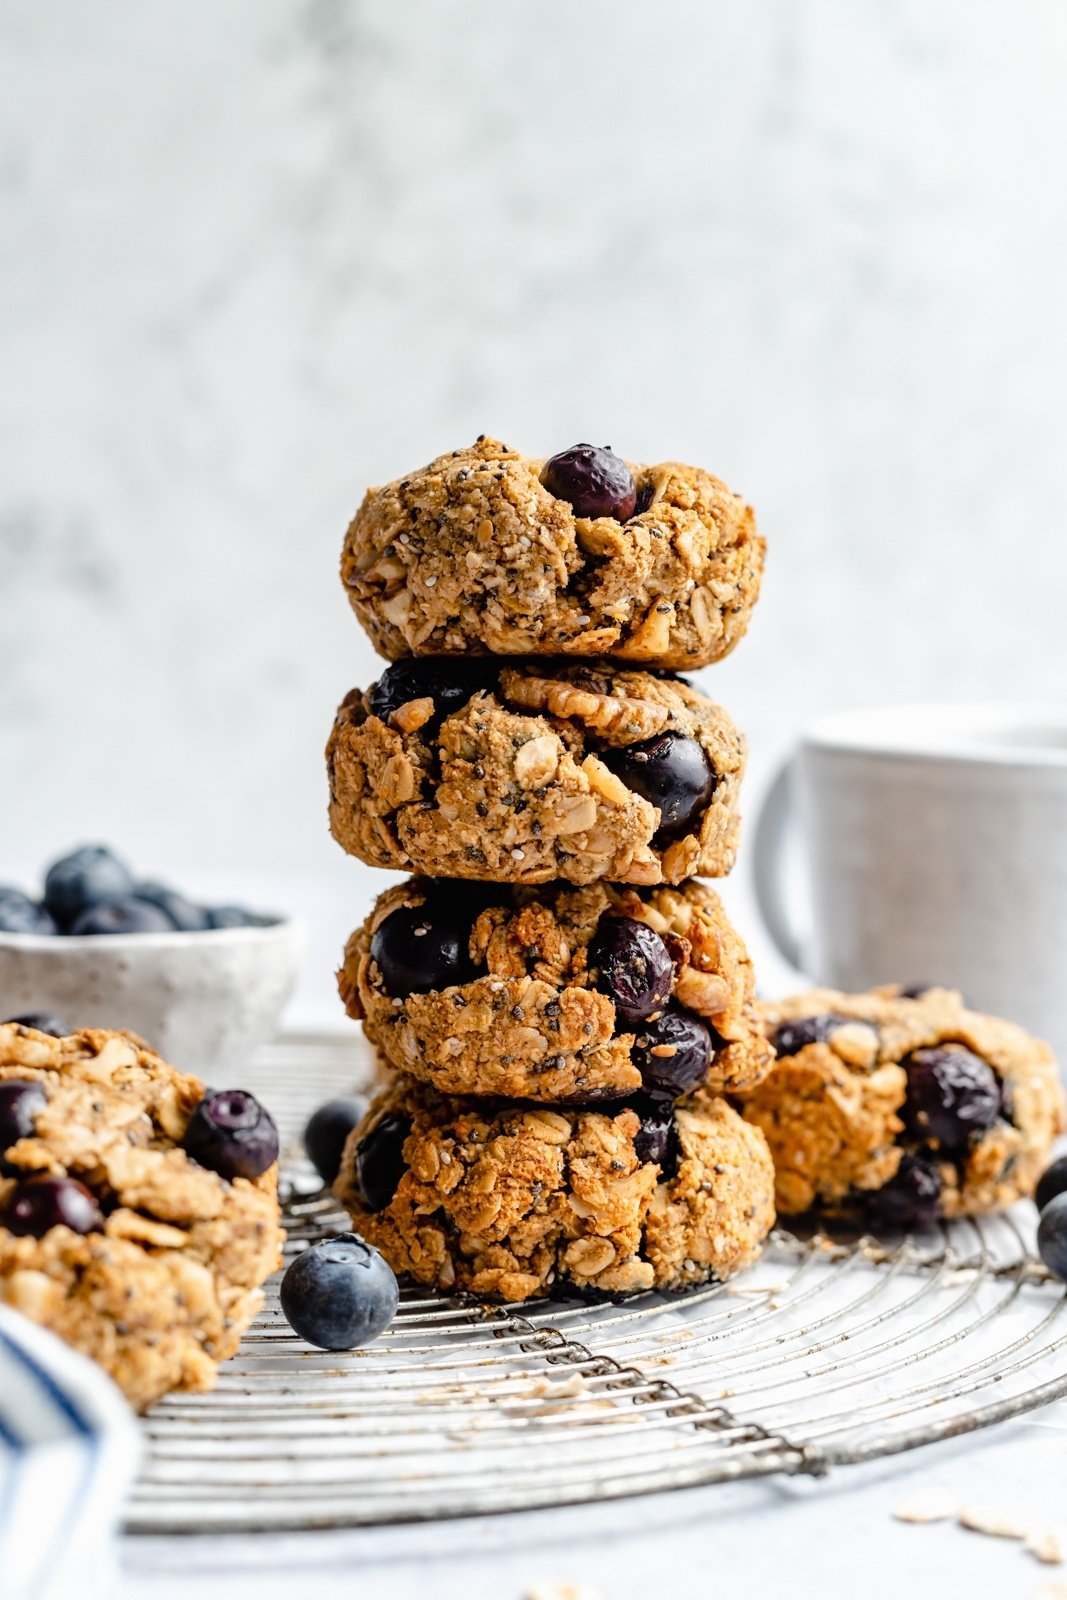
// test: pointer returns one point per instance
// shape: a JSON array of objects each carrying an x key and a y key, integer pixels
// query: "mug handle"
[{"x": 774, "y": 842}]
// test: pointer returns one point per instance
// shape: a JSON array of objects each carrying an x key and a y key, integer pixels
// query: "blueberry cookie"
[
  {"x": 585, "y": 554},
  {"x": 556, "y": 993},
  {"x": 519, "y": 773},
  {"x": 138, "y": 1212},
  {"x": 911, "y": 1107},
  {"x": 511, "y": 1201}
]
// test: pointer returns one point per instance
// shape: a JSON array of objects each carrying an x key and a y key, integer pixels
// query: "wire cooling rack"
[{"x": 827, "y": 1352}]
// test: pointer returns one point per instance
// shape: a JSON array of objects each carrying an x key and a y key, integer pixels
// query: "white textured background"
[{"x": 255, "y": 256}]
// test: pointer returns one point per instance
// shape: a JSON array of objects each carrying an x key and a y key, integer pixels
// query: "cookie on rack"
[
  {"x": 556, "y": 993},
  {"x": 511, "y": 1201},
  {"x": 520, "y": 772},
  {"x": 138, "y": 1211},
  {"x": 584, "y": 554},
  {"x": 908, "y": 1106}
]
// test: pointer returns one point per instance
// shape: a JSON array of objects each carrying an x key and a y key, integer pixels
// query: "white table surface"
[{"x": 800, "y": 1537}]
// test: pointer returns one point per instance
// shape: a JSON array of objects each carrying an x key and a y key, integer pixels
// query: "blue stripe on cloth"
[
  {"x": 58, "y": 1395},
  {"x": 66, "y": 1406}
]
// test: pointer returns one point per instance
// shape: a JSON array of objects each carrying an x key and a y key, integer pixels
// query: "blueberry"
[
  {"x": 657, "y": 1138},
  {"x": 237, "y": 917},
  {"x": 20, "y": 1101},
  {"x": 420, "y": 948},
  {"x": 232, "y": 1134},
  {"x": 44, "y": 1022},
  {"x": 670, "y": 772},
  {"x": 326, "y": 1132},
  {"x": 91, "y": 876},
  {"x": 37, "y": 1204},
  {"x": 339, "y": 1293},
  {"x": 184, "y": 916},
  {"x": 952, "y": 1095},
  {"x": 632, "y": 966},
  {"x": 792, "y": 1037},
  {"x": 380, "y": 1159},
  {"x": 1053, "y": 1181},
  {"x": 911, "y": 1199},
  {"x": 128, "y": 915},
  {"x": 448, "y": 682},
  {"x": 20, "y": 914},
  {"x": 1052, "y": 1236},
  {"x": 594, "y": 482},
  {"x": 674, "y": 1052}
]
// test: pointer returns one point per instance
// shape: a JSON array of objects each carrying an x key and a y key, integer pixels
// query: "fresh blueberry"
[
  {"x": 37, "y": 1204},
  {"x": 91, "y": 876},
  {"x": 448, "y": 682},
  {"x": 670, "y": 772},
  {"x": 1053, "y": 1181},
  {"x": 184, "y": 916},
  {"x": 792, "y": 1037},
  {"x": 380, "y": 1159},
  {"x": 232, "y": 1134},
  {"x": 420, "y": 948},
  {"x": 236, "y": 917},
  {"x": 657, "y": 1138},
  {"x": 44, "y": 1022},
  {"x": 339, "y": 1293},
  {"x": 1052, "y": 1236},
  {"x": 594, "y": 482},
  {"x": 674, "y": 1052},
  {"x": 20, "y": 914},
  {"x": 20, "y": 1101},
  {"x": 129, "y": 915},
  {"x": 632, "y": 966},
  {"x": 952, "y": 1095},
  {"x": 326, "y": 1132},
  {"x": 911, "y": 1199}
]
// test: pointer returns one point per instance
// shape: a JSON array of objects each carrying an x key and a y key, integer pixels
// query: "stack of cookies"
[{"x": 559, "y": 1005}]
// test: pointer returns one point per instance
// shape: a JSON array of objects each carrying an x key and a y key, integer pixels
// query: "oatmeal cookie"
[
  {"x": 517, "y": 773},
  {"x": 912, "y": 1108},
  {"x": 556, "y": 993},
  {"x": 511, "y": 1201},
  {"x": 474, "y": 553},
  {"x": 111, "y": 1234}
]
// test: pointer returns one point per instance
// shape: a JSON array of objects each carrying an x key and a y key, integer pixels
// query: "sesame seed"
[{"x": 516, "y": 854}]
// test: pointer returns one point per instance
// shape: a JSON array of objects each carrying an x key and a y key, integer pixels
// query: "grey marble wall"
[{"x": 256, "y": 255}]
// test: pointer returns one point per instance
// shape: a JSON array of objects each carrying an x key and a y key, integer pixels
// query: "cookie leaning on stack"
[
  {"x": 558, "y": 1004},
  {"x": 903, "y": 1106}
]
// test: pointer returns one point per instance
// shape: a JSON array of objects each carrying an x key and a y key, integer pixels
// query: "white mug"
[{"x": 934, "y": 842}]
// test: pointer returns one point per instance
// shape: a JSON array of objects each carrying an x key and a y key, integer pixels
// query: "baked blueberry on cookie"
[
  {"x": 520, "y": 772},
  {"x": 510, "y": 1201},
  {"x": 909, "y": 1108},
  {"x": 138, "y": 1211},
  {"x": 585, "y": 554},
  {"x": 556, "y": 993}
]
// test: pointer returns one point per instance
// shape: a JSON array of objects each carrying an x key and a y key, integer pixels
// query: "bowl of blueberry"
[{"x": 99, "y": 947}]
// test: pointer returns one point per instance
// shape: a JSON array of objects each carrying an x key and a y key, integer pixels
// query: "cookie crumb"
[
  {"x": 562, "y": 1591},
  {"x": 1045, "y": 1547},
  {"x": 985, "y": 1519},
  {"x": 928, "y": 1505}
]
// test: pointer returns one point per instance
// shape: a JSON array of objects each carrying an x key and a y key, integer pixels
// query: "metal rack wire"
[{"x": 827, "y": 1352}]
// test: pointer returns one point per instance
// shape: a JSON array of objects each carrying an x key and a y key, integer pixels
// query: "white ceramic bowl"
[
  {"x": 204, "y": 1001},
  {"x": 69, "y": 1446}
]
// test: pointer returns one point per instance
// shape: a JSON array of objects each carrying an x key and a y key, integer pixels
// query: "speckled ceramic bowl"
[{"x": 205, "y": 1001}]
